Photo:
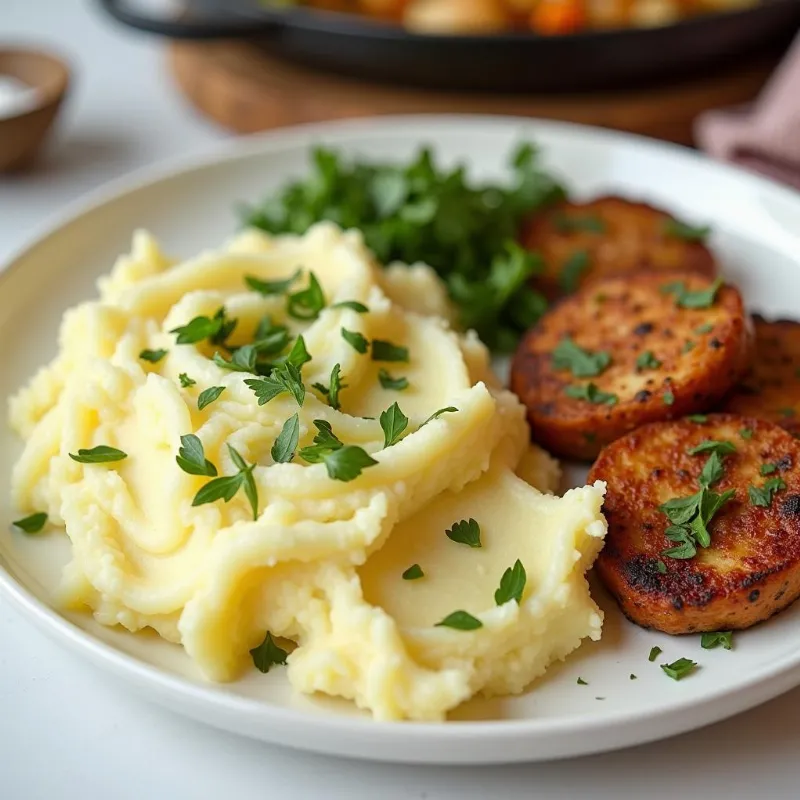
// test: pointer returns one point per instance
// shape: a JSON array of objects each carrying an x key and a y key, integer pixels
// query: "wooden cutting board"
[{"x": 245, "y": 89}]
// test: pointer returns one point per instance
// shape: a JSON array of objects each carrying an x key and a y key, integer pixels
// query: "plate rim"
[{"x": 778, "y": 677}]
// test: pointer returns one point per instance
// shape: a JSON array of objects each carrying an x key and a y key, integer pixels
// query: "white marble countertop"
[{"x": 67, "y": 731}]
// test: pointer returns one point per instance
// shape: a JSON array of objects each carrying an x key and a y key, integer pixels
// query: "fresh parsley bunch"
[{"x": 421, "y": 212}]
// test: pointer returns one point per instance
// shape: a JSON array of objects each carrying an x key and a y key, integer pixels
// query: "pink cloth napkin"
[{"x": 764, "y": 136}]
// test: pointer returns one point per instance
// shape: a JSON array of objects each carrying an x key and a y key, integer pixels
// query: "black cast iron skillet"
[{"x": 505, "y": 62}]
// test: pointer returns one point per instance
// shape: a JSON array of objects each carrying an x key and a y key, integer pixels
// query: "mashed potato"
[{"x": 322, "y": 564}]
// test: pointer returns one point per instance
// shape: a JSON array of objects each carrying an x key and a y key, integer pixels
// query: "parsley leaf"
[
  {"x": 386, "y": 351},
  {"x": 325, "y": 442},
  {"x": 208, "y": 396},
  {"x": 746, "y": 433},
  {"x": 388, "y": 382},
  {"x": 225, "y": 488},
  {"x": 647, "y": 360},
  {"x": 299, "y": 354},
  {"x": 347, "y": 463},
  {"x": 466, "y": 532},
  {"x": 679, "y": 669},
  {"x": 582, "y": 363},
  {"x": 186, "y": 381},
  {"x": 353, "y": 305},
  {"x": 684, "y": 298},
  {"x": 437, "y": 414},
  {"x": 413, "y": 573},
  {"x": 689, "y": 233},
  {"x": 283, "y": 449},
  {"x": 712, "y": 470},
  {"x": 357, "y": 341},
  {"x": 216, "y": 329},
  {"x": 393, "y": 423},
  {"x": 762, "y": 496},
  {"x": 661, "y": 567},
  {"x": 723, "y": 447},
  {"x": 32, "y": 523},
  {"x": 284, "y": 378},
  {"x": 242, "y": 360},
  {"x": 153, "y": 356},
  {"x": 512, "y": 584},
  {"x": 336, "y": 386},
  {"x": 591, "y": 394},
  {"x": 571, "y": 271},
  {"x": 307, "y": 303},
  {"x": 706, "y": 327},
  {"x": 768, "y": 469},
  {"x": 102, "y": 454},
  {"x": 708, "y": 641},
  {"x": 268, "y": 288},
  {"x": 655, "y": 652},
  {"x": 564, "y": 223},
  {"x": 191, "y": 457},
  {"x": 461, "y": 621},
  {"x": 668, "y": 398},
  {"x": 698, "y": 418},
  {"x": 786, "y": 412},
  {"x": 268, "y": 654}
]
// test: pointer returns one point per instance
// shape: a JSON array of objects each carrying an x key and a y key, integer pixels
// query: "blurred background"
[{"x": 90, "y": 89}]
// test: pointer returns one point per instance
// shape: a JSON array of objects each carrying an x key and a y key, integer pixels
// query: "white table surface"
[{"x": 68, "y": 731}]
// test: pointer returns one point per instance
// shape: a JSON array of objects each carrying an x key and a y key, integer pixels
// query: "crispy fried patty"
[
  {"x": 751, "y": 569},
  {"x": 663, "y": 360}
]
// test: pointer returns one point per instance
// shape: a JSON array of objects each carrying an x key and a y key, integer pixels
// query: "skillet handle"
[{"x": 199, "y": 27}]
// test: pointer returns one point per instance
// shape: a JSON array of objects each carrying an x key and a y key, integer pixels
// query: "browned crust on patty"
[
  {"x": 627, "y": 317},
  {"x": 771, "y": 388},
  {"x": 750, "y": 571},
  {"x": 635, "y": 238}
]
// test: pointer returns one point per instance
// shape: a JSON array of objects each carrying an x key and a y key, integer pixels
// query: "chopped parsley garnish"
[
  {"x": 353, "y": 305},
  {"x": 679, "y": 669},
  {"x": 153, "y": 356},
  {"x": 437, "y": 414},
  {"x": 342, "y": 462},
  {"x": 746, "y": 433},
  {"x": 388, "y": 382},
  {"x": 386, "y": 351},
  {"x": 208, "y": 396},
  {"x": 574, "y": 224},
  {"x": 32, "y": 523},
  {"x": 419, "y": 211},
  {"x": 393, "y": 424},
  {"x": 243, "y": 359},
  {"x": 647, "y": 360},
  {"x": 307, "y": 303},
  {"x": 102, "y": 454},
  {"x": 668, "y": 398},
  {"x": 768, "y": 468},
  {"x": 284, "y": 447},
  {"x": 268, "y": 654},
  {"x": 762, "y": 496},
  {"x": 512, "y": 584},
  {"x": 706, "y": 327},
  {"x": 413, "y": 573},
  {"x": 591, "y": 394},
  {"x": 684, "y": 298},
  {"x": 723, "y": 447},
  {"x": 461, "y": 621},
  {"x": 357, "y": 341},
  {"x": 689, "y": 233},
  {"x": 688, "y": 346},
  {"x": 661, "y": 567},
  {"x": 655, "y": 652},
  {"x": 708, "y": 641},
  {"x": 331, "y": 391},
  {"x": 465, "y": 532},
  {"x": 299, "y": 354},
  {"x": 216, "y": 329},
  {"x": 712, "y": 470},
  {"x": 582, "y": 363},
  {"x": 268, "y": 288},
  {"x": 186, "y": 381},
  {"x": 698, "y": 418},
  {"x": 582, "y": 682},
  {"x": 225, "y": 488},
  {"x": 191, "y": 457},
  {"x": 571, "y": 271},
  {"x": 786, "y": 412},
  {"x": 284, "y": 378}
]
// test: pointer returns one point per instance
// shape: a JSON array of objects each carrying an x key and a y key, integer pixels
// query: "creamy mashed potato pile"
[{"x": 323, "y": 562}]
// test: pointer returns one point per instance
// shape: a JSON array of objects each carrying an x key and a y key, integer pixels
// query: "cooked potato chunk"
[
  {"x": 654, "y": 561},
  {"x": 626, "y": 351},
  {"x": 609, "y": 236},
  {"x": 771, "y": 389}
]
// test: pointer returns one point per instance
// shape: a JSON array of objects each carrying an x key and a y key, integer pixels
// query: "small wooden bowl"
[{"x": 21, "y": 136}]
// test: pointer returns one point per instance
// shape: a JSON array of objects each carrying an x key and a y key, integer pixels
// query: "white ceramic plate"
[{"x": 756, "y": 235}]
